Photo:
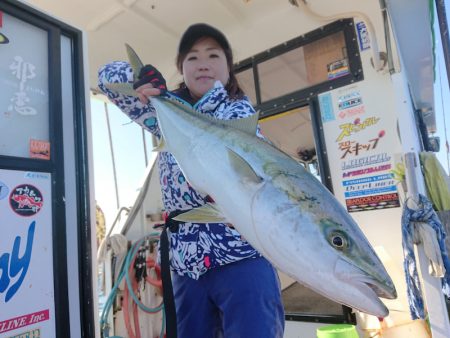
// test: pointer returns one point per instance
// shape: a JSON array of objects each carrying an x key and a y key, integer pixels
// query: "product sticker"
[
  {"x": 355, "y": 126},
  {"x": 365, "y": 171},
  {"x": 326, "y": 107},
  {"x": 363, "y": 36},
  {"x": 350, "y": 104},
  {"x": 355, "y": 148},
  {"x": 40, "y": 149},
  {"x": 365, "y": 161},
  {"x": 36, "y": 175},
  {"x": 376, "y": 202},
  {"x": 369, "y": 185},
  {"x": 35, "y": 333},
  {"x": 26, "y": 200},
  {"x": 337, "y": 69}
]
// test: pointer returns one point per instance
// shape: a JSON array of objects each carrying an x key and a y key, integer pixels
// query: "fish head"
[
  {"x": 357, "y": 268},
  {"x": 322, "y": 246}
]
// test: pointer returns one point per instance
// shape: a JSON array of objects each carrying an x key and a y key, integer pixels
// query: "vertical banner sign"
[
  {"x": 26, "y": 255},
  {"x": 359, "y": 144}
]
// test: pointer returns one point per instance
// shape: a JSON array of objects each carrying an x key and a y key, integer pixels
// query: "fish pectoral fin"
[
  {"x": 161, "y": 145},
  {"x": 208, "y": 213},
  {"x": 122, "y": 88},
  {"x": 135, "y": 61},
  {"x": 241, "y": 166}
]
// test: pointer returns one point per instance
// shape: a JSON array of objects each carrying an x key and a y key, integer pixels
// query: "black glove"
[{"x": 150, "y": 74}]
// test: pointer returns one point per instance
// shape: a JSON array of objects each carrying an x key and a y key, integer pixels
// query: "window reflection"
[{"x": 316, "y": 62}]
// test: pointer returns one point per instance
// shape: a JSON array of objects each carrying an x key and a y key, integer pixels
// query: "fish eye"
[{"x": 338, "y": 240}]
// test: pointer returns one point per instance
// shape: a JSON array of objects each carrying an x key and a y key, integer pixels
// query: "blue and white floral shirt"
[{"x": 195, "y": 248}]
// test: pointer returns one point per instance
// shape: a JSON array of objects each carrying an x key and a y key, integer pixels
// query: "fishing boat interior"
[{"x": 346, "y": 88}]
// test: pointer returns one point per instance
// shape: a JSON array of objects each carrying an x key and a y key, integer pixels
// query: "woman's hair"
[{"x": 197, "y": 32}]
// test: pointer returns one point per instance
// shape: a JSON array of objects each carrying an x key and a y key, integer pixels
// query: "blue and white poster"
[{"x": 26, "y": 255}]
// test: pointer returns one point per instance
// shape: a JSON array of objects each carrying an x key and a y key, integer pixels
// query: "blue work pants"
[{"x": 238, "y": 300}]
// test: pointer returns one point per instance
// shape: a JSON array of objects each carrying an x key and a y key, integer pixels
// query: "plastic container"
[
  {"x": 337, "y": 331},
  {"x": 416, "y": 328}
]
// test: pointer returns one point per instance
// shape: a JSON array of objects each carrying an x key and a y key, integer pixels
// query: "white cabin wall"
[{"x": 381, "y": 99}]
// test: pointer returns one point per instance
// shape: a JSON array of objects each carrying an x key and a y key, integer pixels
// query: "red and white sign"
[{"x": 23, "y": 321}]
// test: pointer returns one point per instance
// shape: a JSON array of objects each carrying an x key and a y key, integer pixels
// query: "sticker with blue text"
[{"x": 326, "y": 107}]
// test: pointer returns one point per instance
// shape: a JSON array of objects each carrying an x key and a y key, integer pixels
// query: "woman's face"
[{"x": 203, "y": 65}]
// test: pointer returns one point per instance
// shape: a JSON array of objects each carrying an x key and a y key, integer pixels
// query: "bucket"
[{"x": 337, "y": 331}]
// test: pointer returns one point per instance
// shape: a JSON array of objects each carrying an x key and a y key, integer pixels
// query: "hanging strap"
[{"x": 168, "y": 297}]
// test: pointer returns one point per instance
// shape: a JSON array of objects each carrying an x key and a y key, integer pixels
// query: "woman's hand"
[
  {"x": 147, "y": 90},
  {"x": 150, "y": 83}
]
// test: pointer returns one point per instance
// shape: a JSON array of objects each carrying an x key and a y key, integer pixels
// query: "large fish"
[{"x": 276, "y": 205}]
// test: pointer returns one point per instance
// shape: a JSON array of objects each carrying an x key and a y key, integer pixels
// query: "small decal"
[
  {"x": 350, "y": 103},
  {"x": 3, "y": 190},
  {"x": 35, "y": 175},
  {"x": 363, "y": 36},
  {"x": 26, "y": 200},
  {"x": 376, "y": 202},
  {"x": 337, "y": 69},
  {"x": 326, "y": 107},
  {"x": 357, "y": 125},
  {"x": 365, "y": 171},
  {"x": 40, "y": 149},
  {"x": 34, "y": 333},
  {"x": 355, "y": 148},
  {"x": 365, "y": 161}
]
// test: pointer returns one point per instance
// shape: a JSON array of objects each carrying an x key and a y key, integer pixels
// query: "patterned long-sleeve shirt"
[{"x": 195, "y": 248}]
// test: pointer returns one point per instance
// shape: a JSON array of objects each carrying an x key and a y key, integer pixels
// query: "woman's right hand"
[{"x": 150, "y": 83}]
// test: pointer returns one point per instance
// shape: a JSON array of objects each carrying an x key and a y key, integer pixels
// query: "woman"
[{"x": 222, "y": 286}]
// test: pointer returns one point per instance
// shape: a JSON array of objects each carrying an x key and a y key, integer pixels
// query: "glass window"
[
  {"x": 316, "y": 62},
  {"x": 292, "y": 132},
  {"x": 247, "y": 83},
  {"x": 24, "y": 100}
]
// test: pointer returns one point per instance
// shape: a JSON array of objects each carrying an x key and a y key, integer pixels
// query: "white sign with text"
[{"x": 26, "y": 255}]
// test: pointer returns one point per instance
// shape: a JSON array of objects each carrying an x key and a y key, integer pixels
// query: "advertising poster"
[
  {"x": 26, "y": 255},
  {"x": 359, "y": 144}
]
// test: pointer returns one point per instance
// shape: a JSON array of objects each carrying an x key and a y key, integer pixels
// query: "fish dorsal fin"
[
  {"x": 246, "y": 124},
  {"x": 135, "y": 61},
  {"x": 208, "y": 213},
  {"x": 122, "y": 88},
  {"x": 241, "y": 166}
]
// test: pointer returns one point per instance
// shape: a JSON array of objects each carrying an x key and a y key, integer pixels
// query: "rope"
[{"x": 423, "y": 214}]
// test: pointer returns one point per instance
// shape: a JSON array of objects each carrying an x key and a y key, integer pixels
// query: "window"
[
  {"x": 24, "y": 98},
  {"x": 299, "y": 68}
]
